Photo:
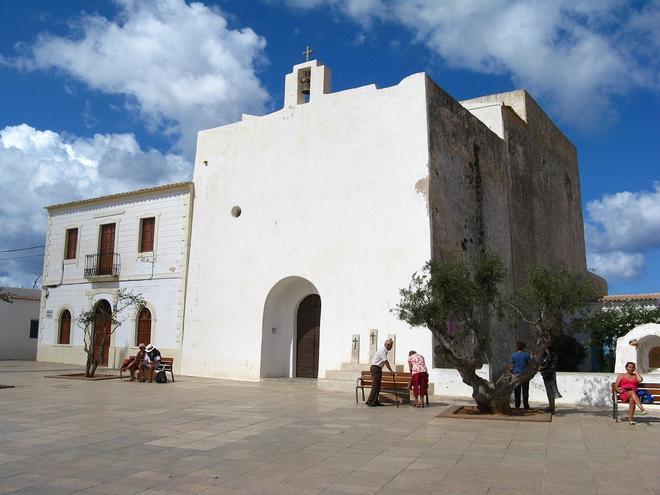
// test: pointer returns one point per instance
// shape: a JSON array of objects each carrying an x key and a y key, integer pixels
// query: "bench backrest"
[{"x": 387, "y": 378}]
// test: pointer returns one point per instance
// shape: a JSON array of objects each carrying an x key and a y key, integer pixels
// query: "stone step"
[
  {"x": 365, "y": 367},
  {"x": 342, "y": 375},
  {"x": 328, "y": 385},
  {"x": 354, "y": 367},
  {"x": 290, "y": 381}
]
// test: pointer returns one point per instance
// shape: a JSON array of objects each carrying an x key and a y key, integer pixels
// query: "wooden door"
[
  {"x": 102, "y": 328},
  {"x": 307, "y": 338},
  {"x": 144, "y": 327},
  {"x": 106, "y": 248}
]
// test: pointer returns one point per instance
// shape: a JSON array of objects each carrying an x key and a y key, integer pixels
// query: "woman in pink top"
[
  {"x": 626, "y": 384},
  {"x": 420, "y": 376}
]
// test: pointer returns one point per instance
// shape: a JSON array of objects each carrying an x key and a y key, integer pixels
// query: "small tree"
[
  {"x": 126, "y": 302},
  {"x": 457, "y": 299},
  {"x": 611, "y": 322}
]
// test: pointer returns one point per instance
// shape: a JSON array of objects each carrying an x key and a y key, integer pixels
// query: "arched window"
[
  {"x": 65, "y": 328},
  {"x": 143, "y": 334}
]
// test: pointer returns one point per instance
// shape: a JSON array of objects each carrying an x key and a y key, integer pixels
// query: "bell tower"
[{"x": 307, "y": 80}]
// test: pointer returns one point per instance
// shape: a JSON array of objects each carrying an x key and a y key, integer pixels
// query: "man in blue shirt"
[{"x": 519, "y": 363}]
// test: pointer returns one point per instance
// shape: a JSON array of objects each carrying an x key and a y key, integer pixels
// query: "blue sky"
[{"x": 107, "y": 96}]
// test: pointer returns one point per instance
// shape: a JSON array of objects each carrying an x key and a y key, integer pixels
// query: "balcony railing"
[{"x": 102, "y": 265}]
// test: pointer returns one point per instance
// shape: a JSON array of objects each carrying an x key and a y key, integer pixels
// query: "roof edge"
[{"x": 136, "y": 192}]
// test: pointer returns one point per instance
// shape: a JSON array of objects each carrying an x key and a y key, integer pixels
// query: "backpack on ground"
[{"x": 160, "y": 377}]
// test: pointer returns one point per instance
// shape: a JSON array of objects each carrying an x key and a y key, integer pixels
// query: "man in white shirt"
[{"x": 379, "y": 360}]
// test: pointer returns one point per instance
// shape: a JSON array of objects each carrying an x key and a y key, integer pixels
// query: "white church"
[{"x": 286, "y": 254}]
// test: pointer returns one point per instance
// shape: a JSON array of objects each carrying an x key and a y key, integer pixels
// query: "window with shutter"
[
  {"x": 144, "y": 328},
  {"x": 65, "y": 327},
  {"x": 147, "y": 227},
  {"x": 70, "y": 250}
]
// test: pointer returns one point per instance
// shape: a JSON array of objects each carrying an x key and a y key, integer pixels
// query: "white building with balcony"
[{"x": 138, "y": 241}]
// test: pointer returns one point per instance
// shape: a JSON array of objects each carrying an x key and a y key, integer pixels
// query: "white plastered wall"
[
  {"x": 647, "y": 337},
  {"x": 15, "y": 318},
  {"x": 329, "y": 192}
]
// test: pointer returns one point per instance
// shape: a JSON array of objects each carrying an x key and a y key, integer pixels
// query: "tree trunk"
[
  {"x": 502, "y": 405},
  {"x": 89, "y": 373}
]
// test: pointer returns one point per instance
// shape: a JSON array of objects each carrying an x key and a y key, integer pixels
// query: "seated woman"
[
  {"x": 627, "y": 384},
  {"x": 420, "y": 376},
  {"x": 133, "y": 363}
]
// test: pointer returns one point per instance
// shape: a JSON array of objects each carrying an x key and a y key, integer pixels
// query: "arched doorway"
[
  {"x": 102, "y": 331},
  {"x": 279, "y": 337},
  {"x": 307, "y": 337}
]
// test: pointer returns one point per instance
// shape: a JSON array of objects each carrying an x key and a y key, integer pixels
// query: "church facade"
[{"x": 308, "y": 221}]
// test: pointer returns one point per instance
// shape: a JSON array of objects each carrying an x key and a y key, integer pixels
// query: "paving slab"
[{"x": 206, "y": 436}]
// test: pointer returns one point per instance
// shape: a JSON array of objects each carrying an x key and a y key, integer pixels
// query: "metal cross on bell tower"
[{"x": 308, "y": 51}]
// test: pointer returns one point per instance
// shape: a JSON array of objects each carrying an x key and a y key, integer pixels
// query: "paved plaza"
[{"x": 220, "y": 437}]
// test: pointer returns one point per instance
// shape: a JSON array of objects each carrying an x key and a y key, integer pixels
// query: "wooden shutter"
[
  {"x": 147, "y": 227},
  {"x": 65, "y": 327},
  {"x": 71, "y": 244},
  {"x": 106, "y": 249}
]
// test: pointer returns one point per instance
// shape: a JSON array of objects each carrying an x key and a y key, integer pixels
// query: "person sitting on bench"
[
  {"x": 152, "y": 360},
  {"x": 627, "y": 384},
  {"x": 132, "y": 363}
]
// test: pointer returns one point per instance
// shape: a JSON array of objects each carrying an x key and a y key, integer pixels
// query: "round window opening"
[{"x": 236, "y": 211}]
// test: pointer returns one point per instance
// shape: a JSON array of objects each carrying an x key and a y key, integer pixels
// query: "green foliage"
[
  {"x": 611, "y": 322},
  {"x": 451, "y": 290},
  {"x": 550, "y": 294}
]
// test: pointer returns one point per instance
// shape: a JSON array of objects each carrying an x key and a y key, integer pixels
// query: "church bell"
[{"x": 305, "y": 83}]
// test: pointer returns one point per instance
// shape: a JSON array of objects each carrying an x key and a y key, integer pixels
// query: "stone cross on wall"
[
  {"x": 391, "y": 354},
  {"x": 355, "y": 350},
  {"x": 373, "y": 343},
  {"x": 308, "y": 51}
]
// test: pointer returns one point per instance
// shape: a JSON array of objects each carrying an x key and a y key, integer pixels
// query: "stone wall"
[{"x": 518, "y": 194}]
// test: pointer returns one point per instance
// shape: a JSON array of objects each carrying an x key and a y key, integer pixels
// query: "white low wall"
[{"x": 576, "y": 388}]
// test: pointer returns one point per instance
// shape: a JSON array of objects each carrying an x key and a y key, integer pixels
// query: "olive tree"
[
  {"x": 125, "y": 304},
  {"x": 458, "y": 301}
]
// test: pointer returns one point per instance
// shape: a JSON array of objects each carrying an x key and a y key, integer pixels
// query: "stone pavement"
[{"x": 219, "y": 437}]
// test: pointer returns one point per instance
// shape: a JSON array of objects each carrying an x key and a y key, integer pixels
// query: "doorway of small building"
[
  {"x": 102, "y": 331},
  {"x": 291, "y": 330},
  {"x": 308, "y": 325}
]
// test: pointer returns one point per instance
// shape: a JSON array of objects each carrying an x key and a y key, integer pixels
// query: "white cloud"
[
  {"x": 573, "y": 54},
  {"x": 179, "y": 64},
  {"x": 40, "y": 168},
  {"x": 616, "y": 265},
  {"x": 620, "y": 229}
]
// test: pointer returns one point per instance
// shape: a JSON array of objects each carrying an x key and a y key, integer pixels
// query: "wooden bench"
[
  {"x": 167, "y": 362},
  {"x": 652, "y": 388},
  {"x": 397, "y": 385}
]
